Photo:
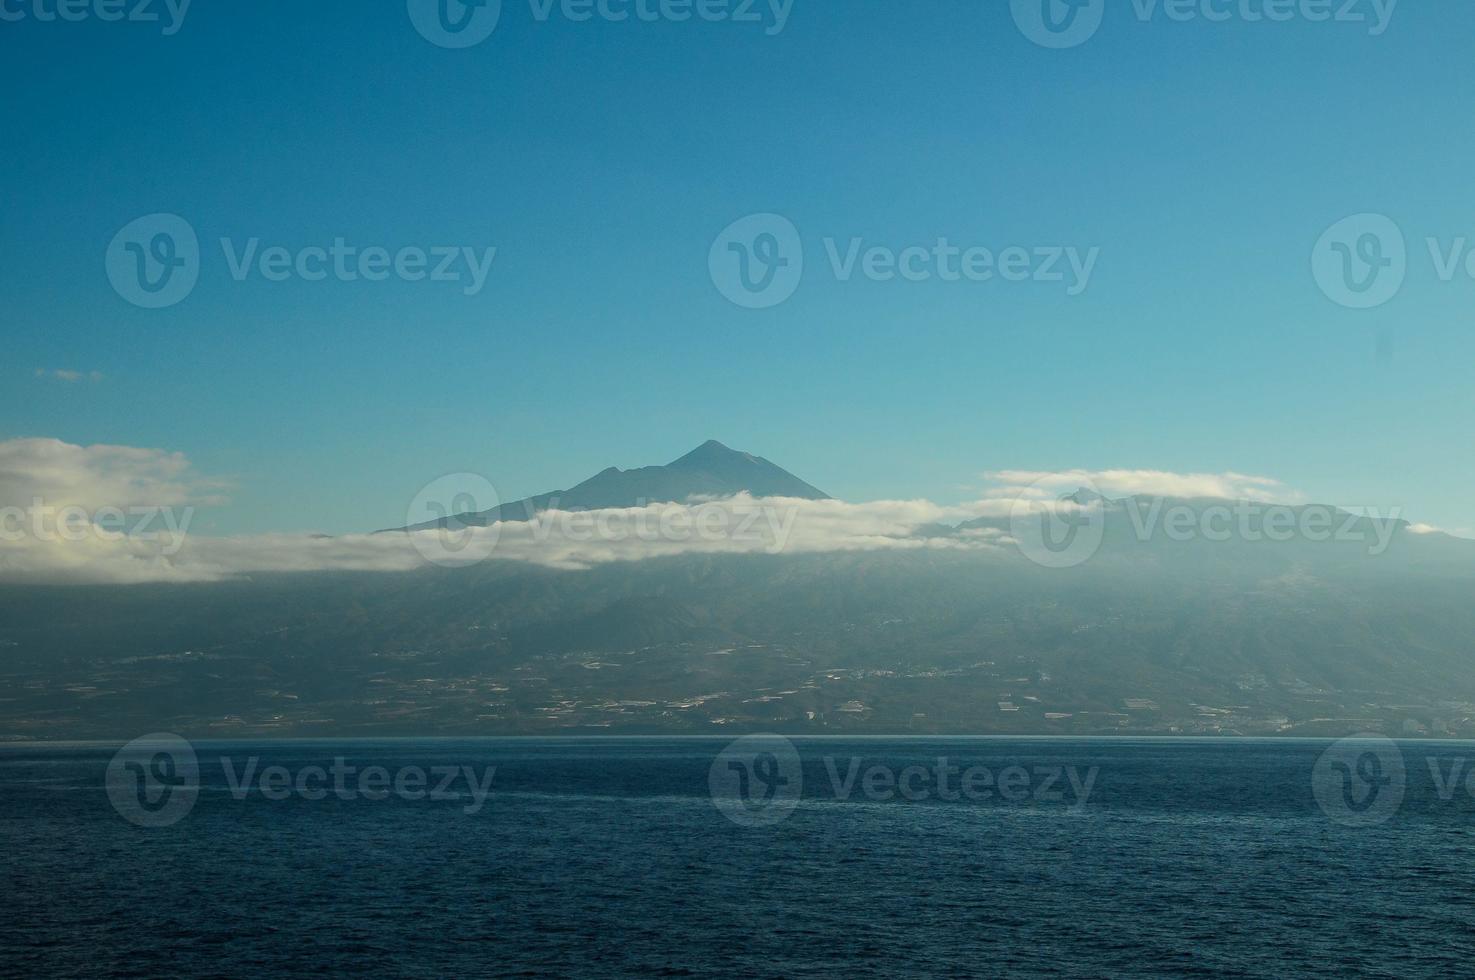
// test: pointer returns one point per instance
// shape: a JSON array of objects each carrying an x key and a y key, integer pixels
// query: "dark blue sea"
[{"x": 693, "y": 858}]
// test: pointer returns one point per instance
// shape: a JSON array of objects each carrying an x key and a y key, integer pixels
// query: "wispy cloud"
[
  {"x": 70, "y": 377},
  {"x": 1454, "y": 532},
  {"x": 1154, "y": 483}
]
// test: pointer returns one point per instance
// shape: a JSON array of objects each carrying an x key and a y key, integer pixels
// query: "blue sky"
[{"x": 601, "y": 160}]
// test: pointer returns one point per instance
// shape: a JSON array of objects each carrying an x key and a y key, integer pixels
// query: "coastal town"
[{"x": 671, "y": 689}]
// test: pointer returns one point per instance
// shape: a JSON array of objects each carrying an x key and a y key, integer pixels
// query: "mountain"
[
  {"x": 1162, "y": 637},
  {"x": 1349, "y": 624},
  {"x": 710, "y": 470}
]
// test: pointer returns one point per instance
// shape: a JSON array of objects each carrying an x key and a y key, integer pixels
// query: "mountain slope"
[
  {"x": 710, "y": 470},
  {"x": 1273, "y": 639},
  {"x": 1348, "y": 624}
]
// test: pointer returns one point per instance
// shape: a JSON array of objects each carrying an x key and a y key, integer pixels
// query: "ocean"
[{"x": 652, "y": 857}]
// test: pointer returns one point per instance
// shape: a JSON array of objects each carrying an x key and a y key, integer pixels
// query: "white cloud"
[
  {"x": 118, "y": 487},
  {"x": 63, "y": 475},
  {"x": 1465, "y": 533},
  {"x": 130, "y": 512},
  {"x": 70, "y": 377},
  {"x": 739, "y": 525},
  {"x": 1128, "y": 483}
]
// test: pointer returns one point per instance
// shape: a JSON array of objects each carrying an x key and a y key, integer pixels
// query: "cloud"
[
  {"x": 59, "y": 474},
  {"x": 556, "y": 539},
  {"x": 1152, "y": 483},
  {"x": 118, "y": 514},
  {"x": 70, "y": 377},
  {"x": 133, "y": 508}
]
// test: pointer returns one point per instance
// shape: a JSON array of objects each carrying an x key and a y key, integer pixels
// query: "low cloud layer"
[
  {"x": 118, "y": 514},
  {"x": 1151, "y": 483},
  {"x": 556, "y": 539}
]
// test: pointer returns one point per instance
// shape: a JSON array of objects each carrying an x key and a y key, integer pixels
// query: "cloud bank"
[
  {"x": 555, "y": 539},
  {"x": 130, "y": 511},
  {"x": 1150, "y": 483}
]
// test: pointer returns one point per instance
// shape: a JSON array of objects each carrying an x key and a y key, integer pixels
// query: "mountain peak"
[
  {"x": 715, "y": 469},
  {"x": 709, "y": 451},
  {"x": 710, "y": 470}
]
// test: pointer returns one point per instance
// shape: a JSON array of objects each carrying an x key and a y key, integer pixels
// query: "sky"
[{"x": 1196, "y": 155}]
